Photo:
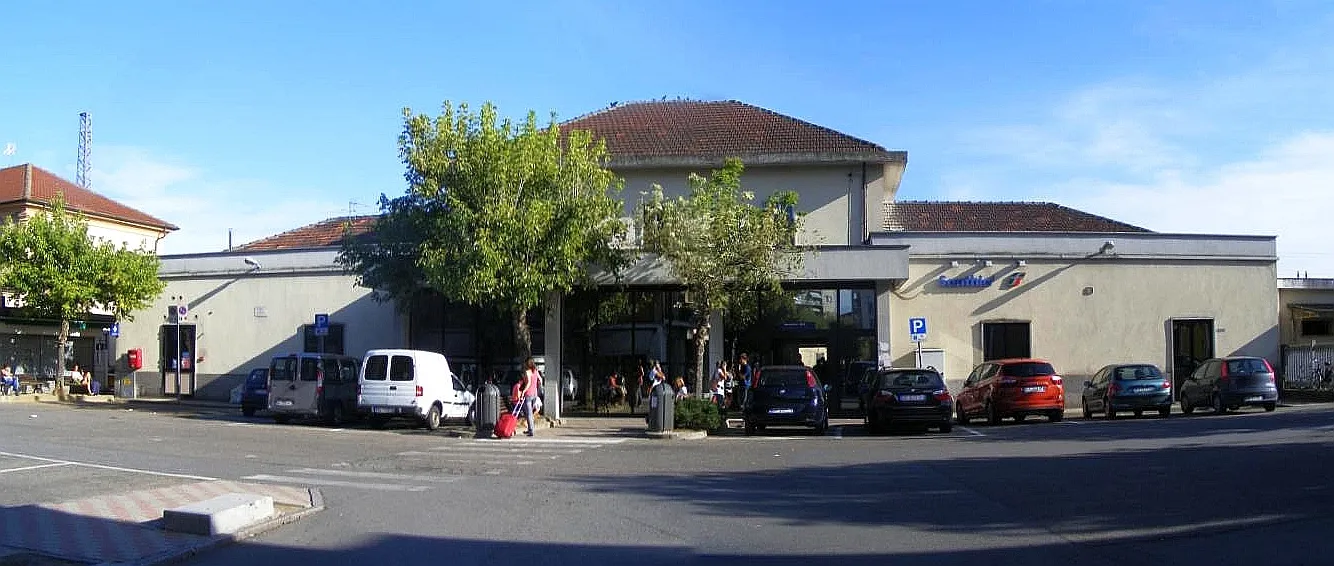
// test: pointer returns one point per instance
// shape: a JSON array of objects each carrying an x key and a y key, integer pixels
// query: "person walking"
[
  {"x": 719, "y": 387},
  {"x": 526, "y": 389}
]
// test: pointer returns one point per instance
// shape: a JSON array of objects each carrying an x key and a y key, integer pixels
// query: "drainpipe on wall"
[{"x": 866, "y": 210}]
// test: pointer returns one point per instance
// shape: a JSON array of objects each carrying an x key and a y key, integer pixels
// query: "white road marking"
[
  {"x": 105, "y": 467},
  {"x": 374, "y": 475},
  {"x": 589, "y": 441},
  {"x": 336, "y": 483},
  {"x": 510, "y": 450},
  {"x": 37, "y": 467},
  {"x": 469, "y": 461},
  {"x": 971, "y": 431}
]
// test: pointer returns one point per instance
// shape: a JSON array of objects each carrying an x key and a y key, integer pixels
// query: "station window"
[
  {"x": 1002, "y": 340},
  {"x": 333, "y": 343},
  {"x": 1318, "y": 327}
]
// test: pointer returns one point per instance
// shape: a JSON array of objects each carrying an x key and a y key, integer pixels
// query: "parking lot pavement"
[{"x": 119, "y": 523}]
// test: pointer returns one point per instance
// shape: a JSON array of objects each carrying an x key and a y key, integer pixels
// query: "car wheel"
[
  {"x": 248, "y": 411},
  {"x": 962, "y": 416},
  {"x": 1084, "y": 408},
  {"x": 946, "y": 426},
  {"x": 1269, "y": 407},
  {"x": 1019, "y": 418},
  {"x": 433, "y": 418},
  {"x": 1186, "y": 407},
  {"x": 376, "y": 421},
  {"x": 993, "y": 418},
  {"x": 1056, "y": 416},
  {"x": 1219, "y": 407},
  {"x": 1165, "y": 411}
]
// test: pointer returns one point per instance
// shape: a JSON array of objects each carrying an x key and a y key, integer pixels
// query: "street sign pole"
[{"x": 177, "y": 362}]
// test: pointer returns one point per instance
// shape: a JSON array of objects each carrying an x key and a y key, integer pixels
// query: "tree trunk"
[
  {"x": 523, "y": 337},
  {"x": 62, "y": 345},
  {"x": 701, "y": 339}
]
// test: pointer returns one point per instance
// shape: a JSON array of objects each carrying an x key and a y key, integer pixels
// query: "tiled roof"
[
  {"x": 29, "y": 184},
  {"x": 321, "y": 234},
  {"x": 639, "y": 132},
  {"x": 925, "y": 216}
]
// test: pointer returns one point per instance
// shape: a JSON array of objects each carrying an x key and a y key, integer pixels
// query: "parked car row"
[
  {"x": 384, "y": 384},
  {"x": 1023, "y": 387}
]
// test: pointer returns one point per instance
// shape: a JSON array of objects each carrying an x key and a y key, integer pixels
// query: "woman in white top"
[{"x": 720, "y": 384}]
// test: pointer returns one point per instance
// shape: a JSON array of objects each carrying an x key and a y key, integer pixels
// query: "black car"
[
  {"x": 255, "y": 393},
  {"x": 1127, "y": 387},
  {"x": 1230, "y": 383},
  {"x": 908, "y": 396},
  {"x": 785, "y": 396}
]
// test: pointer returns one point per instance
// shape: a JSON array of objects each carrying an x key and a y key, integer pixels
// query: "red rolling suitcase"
[{"x": 507, "y": 422}]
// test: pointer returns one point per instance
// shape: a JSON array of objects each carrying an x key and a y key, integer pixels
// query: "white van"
[{"x": 411, "y": 383}]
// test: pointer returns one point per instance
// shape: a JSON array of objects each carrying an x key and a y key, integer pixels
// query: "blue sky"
[{"x": 1179, "y": 116}]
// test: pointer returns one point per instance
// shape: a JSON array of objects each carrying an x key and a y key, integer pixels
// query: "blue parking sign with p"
[{"x": 917, "y": 325}]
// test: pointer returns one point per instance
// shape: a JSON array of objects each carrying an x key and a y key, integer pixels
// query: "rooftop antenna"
[{"x": 85, "y": 146}]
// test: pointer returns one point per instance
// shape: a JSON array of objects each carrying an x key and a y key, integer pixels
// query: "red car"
[{"x": 1011, "y": 388}]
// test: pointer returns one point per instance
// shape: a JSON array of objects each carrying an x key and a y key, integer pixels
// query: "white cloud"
[
  {"x": 1284, "y": 191},
  {"x": 202, "y": 204}
]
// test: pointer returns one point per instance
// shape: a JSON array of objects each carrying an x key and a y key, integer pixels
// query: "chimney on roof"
[{"x": 27, "y": 181}]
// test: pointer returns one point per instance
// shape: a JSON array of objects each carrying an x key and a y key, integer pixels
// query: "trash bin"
[
  {"x": 488, "y": 409},
  {"x": 661, "y": 408}
]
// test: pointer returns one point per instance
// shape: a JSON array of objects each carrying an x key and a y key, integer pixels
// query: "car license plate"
[
  {"x": 912, "y": 398},
  {"x": 1035, "y": 389},
  {"x": 1144, "y": 389},
  {"x": 382, "y": 409},
  {"x": 1254, "y": 398},
  {"x": 283, "y": 403},
  {"x": 261, "y": 392},
  {"x": 784, "y": 411}
]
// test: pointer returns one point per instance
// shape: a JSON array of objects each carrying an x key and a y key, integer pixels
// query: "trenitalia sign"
[{"x": 969, "y": 281}]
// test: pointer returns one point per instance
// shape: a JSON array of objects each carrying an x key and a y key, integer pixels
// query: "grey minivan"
[
  {"x": 1229, "y": 383},
  {"x": 313, "y": 385}
]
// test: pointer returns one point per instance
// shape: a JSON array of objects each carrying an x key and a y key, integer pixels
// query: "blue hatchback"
[
  {"x": 1132, "y": 388},
  {"x": 255, "y": 394}
]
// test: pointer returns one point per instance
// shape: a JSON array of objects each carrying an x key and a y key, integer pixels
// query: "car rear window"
[
  {"x": 377, "y": 368},
  {"x": 1028, "y": 369},
  {"x": 282, "y": 369},
  {"x": 910, "y": 379},
  {"x": 1247, "y": 366},
  {"x": 310, "y": 369},
  {"x": 783, "y": 378},
  {"x": 1133, "y": 373},
  {"x": 400, "y": 369}
]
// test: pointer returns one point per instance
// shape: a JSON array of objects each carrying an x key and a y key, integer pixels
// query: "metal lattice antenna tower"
[{"x": 85, "y": 147}]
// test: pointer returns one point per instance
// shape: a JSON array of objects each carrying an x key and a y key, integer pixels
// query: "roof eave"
[{"x": 801, "y": 158}]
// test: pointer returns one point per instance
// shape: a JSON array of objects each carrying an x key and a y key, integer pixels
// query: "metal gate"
[{"x": 1308, "y": 368}]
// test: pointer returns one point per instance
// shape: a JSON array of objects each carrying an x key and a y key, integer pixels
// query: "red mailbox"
[{"x": 136, "y": 358}]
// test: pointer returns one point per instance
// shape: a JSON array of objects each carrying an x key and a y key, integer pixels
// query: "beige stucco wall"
[
  {"x": 132, "y": 237},
  {"x": 1126, "y": 318},
  {"x": 232, "y": 338},
  {"x": 831, "y": 195},
  {"x": 1289, "y": 331}
]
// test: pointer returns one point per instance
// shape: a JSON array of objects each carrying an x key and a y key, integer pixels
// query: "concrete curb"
[
  {"x": 677, "y": 435},
  {"x": 179, "y": 555}
]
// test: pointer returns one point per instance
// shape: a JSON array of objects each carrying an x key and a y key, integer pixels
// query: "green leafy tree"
[
  {"x": 59, "y": 273},
  {"x": 723, "y": 248},
  {"x": 497, "y": 213}
]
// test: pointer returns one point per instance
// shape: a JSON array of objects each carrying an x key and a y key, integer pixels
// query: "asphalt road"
[{"x": 1251, "y": 488}]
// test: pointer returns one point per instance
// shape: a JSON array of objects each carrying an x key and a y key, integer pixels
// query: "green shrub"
[{"x": 697, "y": 414}]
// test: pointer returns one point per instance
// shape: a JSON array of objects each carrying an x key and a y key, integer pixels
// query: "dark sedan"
[
  {"x": 1133, "y": 388},
  {"x": 785, "y": 395},
  {"x": 255, "y": 394},
  {"x": 908, "y": 396}
]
